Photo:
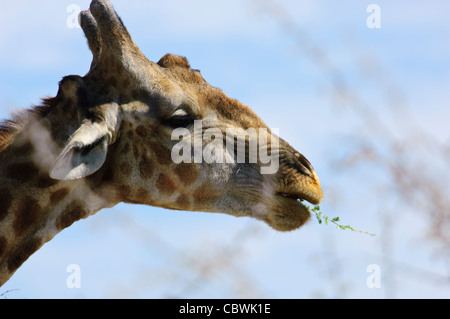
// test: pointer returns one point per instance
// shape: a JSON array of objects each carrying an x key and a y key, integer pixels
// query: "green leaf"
[{"x": 320, "y": 218}]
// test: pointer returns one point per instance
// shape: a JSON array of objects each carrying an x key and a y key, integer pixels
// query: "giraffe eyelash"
[{"x": 180, "y": 118}]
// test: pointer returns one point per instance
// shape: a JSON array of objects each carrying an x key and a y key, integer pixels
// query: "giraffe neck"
[{"x": 34, "y": 207}]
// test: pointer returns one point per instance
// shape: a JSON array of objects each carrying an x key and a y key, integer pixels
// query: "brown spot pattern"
[
  {"x": 108, "y": 175},
  {"x": 72, "y": 214},
  {"x": 126, "y": 148},
  {"x": 141, "y": 131},
  {"x": 22, "y": 171},
  {"x": 205, "y": 193},
  {"x": 125, "y": 168},
  {"x": 44, "y": 181},
  {"x": 58, "y": 196},
  {"x": 3, "y": 245},
  {"x": 125, "y": 191},
  {"x": 161, "y": 153},
  {"x": 135, "y": 151},
  {"x": 5, "y": 202},
  {"x": 165, "y": 184},
  {"x": 183, "y": 202},
  {"x": 187, "y": 173},
  {"x": 27, "y": 215},
  {"x": 130, "y": 134},
  {"x": 142, "y": 194},
  {"x": 22, "y": 253},
  {"x": 26, "y": 149},
  {"x": 146, "y": 167},
  {"x": 125, "y": 83}
]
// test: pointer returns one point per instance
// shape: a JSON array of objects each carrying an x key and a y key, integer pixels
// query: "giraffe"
[{"x": 106, "y": 138}]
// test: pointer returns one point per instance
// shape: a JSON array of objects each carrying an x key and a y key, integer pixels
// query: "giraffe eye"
[{"x": 180, "y": 118}]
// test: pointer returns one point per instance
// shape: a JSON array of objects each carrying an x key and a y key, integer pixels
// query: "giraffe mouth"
[
  {"x": 286, "y": 211},
  {"x": 292, "y": 196},
  {"x": 298, "y": 197}
]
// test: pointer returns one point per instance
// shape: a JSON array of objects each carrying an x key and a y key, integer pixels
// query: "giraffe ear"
[{"x": 83, "y": 155}]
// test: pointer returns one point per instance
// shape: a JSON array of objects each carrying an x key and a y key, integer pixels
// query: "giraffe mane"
[{"x": 9, "y": 128}]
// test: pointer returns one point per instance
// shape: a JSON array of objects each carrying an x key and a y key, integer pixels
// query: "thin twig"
[{"x": 323, "y": 218}]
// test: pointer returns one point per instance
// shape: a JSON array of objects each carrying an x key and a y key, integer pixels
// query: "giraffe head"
[{"x": 157, "y": 133}]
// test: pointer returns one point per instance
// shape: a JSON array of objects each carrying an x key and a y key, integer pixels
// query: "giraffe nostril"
[{"x": 303, "y": 165}]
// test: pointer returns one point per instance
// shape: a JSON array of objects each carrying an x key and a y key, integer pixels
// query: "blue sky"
[{"x": 139, "y": 252}]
